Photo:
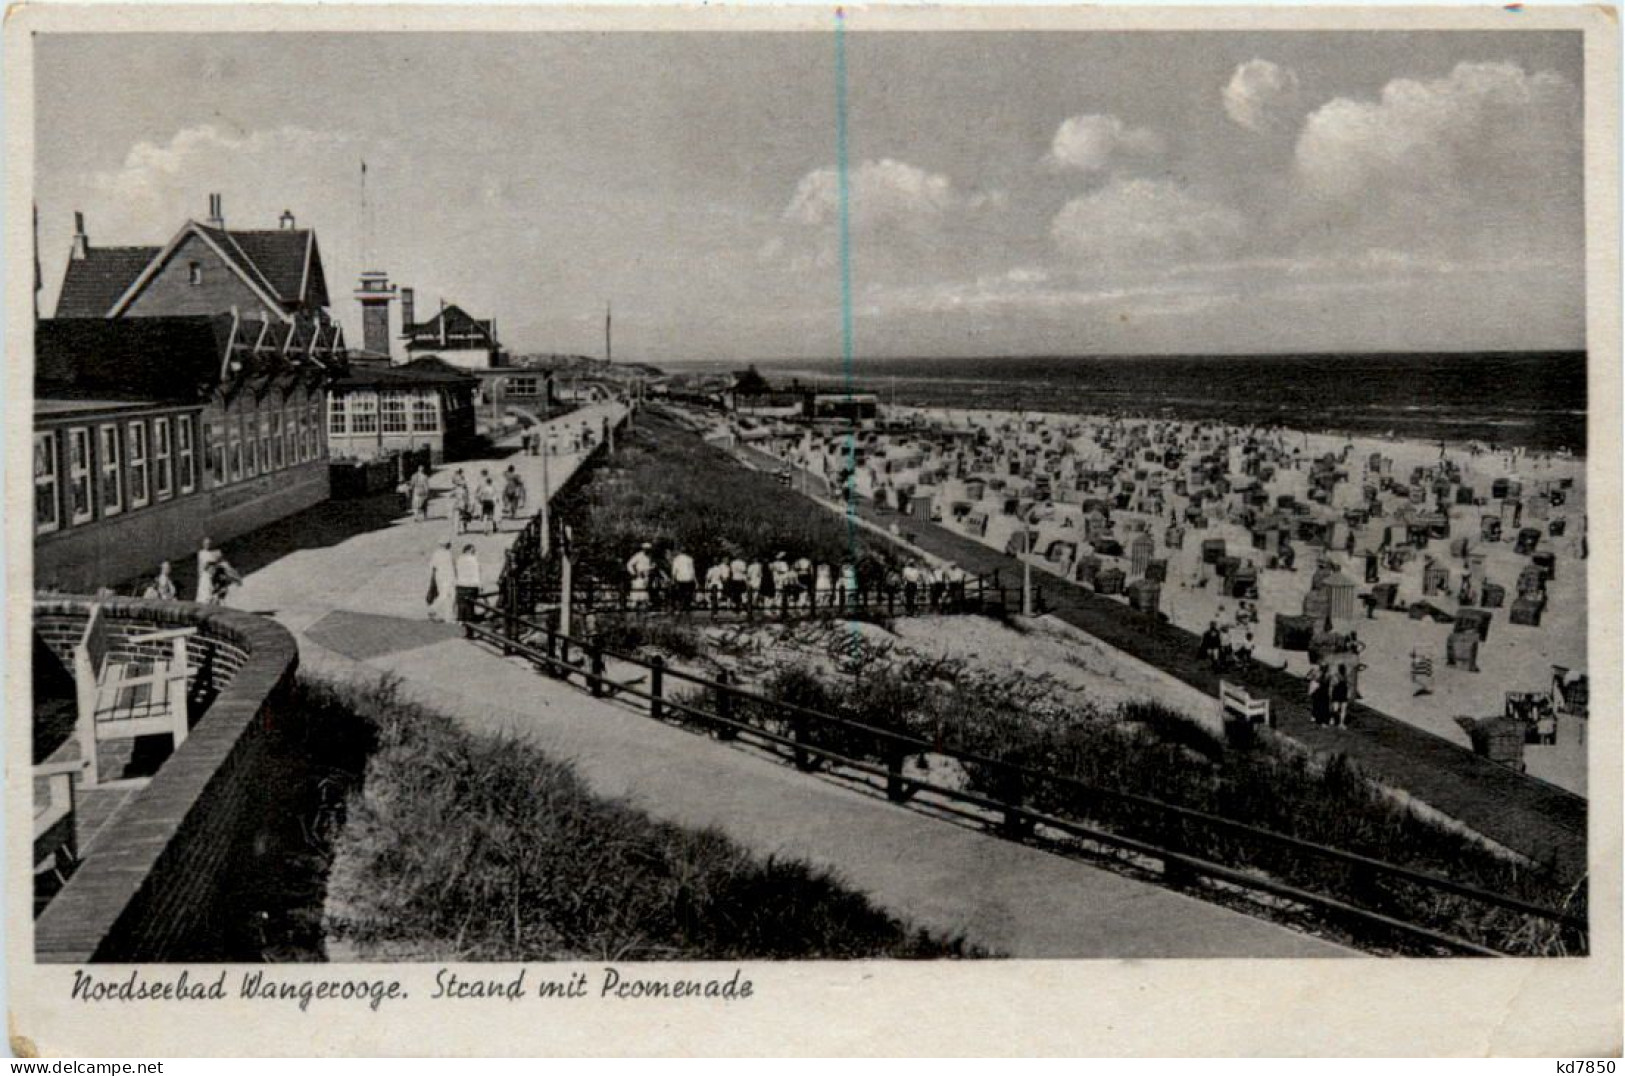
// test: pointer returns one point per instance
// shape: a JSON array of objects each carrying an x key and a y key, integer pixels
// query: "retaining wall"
[{"x": 148, "y": 888}]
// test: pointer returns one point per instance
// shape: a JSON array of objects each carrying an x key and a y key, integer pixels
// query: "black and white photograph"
[{"x": 628, "y": 512}]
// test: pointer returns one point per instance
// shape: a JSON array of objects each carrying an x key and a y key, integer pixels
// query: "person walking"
[
  {"x": 419, "y": 488},
  {"x": 460, "y": 502},
  {"x": 512, "y": 490},
  {"x": 737, "y": 588},
  {"x": 468, "y": 582},
  {"x": 486, "y": 495},
  {"x": 716, "y": 584},
  {"x": 207, "y": 558},
  {"x": 442, "y": 593},
  {"x": 640, "y": 567}
]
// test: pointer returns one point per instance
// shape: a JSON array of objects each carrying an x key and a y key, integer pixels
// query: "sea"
[{"x": 1534, "y": 400}]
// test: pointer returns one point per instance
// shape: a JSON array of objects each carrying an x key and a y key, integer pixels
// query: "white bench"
[
  {"x": 56, "y": 822},
  {"x": 121, "y": 699},
  {"x": 1234, "y": 701}
]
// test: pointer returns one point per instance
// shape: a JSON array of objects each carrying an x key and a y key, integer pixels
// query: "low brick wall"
[{"x": 147, "y": 890}]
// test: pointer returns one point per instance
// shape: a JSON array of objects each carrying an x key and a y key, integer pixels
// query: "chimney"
[
  {"x": 408, "y": 311},
  {"x": 442, "y": 323},
  {"x": 286, "y": 220},
  {"x": 217, "y": 216},
  {"x": 81, "y": 242}
]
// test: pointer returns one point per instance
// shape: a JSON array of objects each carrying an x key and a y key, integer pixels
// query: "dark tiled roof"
[
  {"x": 457, "y": 324},
  {"x": 418, "y": 372},
  {"x": 94, "y": 283},
  {"x": 278, "y": 256},
  {"x": 169, "y": 359}
]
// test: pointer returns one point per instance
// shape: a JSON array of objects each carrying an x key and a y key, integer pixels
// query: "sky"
[{"x": 1007, "y": 193}]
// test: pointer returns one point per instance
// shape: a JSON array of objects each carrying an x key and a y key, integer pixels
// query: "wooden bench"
[
  {"x": 1235, "y": 702},
  {"x": 123, "y": 698},
  {"x": 56, "y": 821}
]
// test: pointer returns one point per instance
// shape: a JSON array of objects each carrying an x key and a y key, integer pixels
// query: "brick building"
[{"x": 179, "y": 392}]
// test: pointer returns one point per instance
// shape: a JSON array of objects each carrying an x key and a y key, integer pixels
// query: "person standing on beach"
[
  {"x": 1340, "y": 698},
  {"x": 1320, "y": 696}
]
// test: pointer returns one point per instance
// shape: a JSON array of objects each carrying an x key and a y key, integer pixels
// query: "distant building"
[
  {"x": 377, "y": 408},
  {"x": 179, "y": 393},
  {"x": 451, "y": 335}
]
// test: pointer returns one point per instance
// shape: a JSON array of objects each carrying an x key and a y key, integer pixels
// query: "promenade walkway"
[
  {"x": 357, "y": 607},
  {"x": 1536, "y": 819}
]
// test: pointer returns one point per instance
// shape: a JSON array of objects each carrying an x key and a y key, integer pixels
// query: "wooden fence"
[{"x": 813, "y": 740}]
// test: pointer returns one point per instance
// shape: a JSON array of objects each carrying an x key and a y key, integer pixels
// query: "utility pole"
[
  {"x": 547, "y": 490},
  {"x": 565, "y": 584}
]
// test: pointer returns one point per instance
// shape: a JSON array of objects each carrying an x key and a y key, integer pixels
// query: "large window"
[
  {"x": 234, "y": 448},
  {"x": 364, "y": 413},
  {"x": 524, "y": 386},
  {"x": 163, "y": 460},
  {"x": 79, "y": 473},
  {"x": 392, "y": 410},
  {"x": 290, "y": 436},
  {"x": 279, "y": 458},
  {"x": 337, "y": 426},
  {"x": 140, "y": 494},
  {"x": 425, "y": 414},
  {"x": 251, "y": 447},
  {"x": 112, "y": 477},
  {"x": 267, "y": 442},
  {"x": 186, "y": 454},
  {"x": 47, "y": 496}
]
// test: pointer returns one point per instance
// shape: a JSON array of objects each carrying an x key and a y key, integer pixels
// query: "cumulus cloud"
[
  {"x": 1145, "y": 221},
  {"x": 1094, "y": 143},
  {"x": 1483, "y": 123},
  {"x": 880, "y": 193},
  {"x": 1260, "y": 94}
]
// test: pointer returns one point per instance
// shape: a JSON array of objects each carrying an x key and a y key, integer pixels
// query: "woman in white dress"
[{"x": 442, "y": 585}]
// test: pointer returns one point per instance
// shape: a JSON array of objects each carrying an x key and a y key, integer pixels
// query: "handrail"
[{"x": 903, "y": 744}]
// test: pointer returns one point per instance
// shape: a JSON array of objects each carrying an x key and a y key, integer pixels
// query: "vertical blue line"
[{"x": 843, "y": 192}]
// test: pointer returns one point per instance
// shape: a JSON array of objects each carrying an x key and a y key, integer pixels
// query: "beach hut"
[
  {"x": 1339, "y": 591},
  {"x": 1156, "y": 571},
  {"x": 1109, "y": 581},
  {"x": 1212, "y": 550},
  {"x": 1531, "y": 581},
  {"x": 1243, "y": 582},
  {"x": 1556, "y": 527},
  {"x": 1500, "y": 488},
  {"x": 1466, "y": 495},
  {"x": 1315, "y": 606},
  {"x": 1435, "y": 578},
  {"x": 1144, "y": 596},
  {"x": 1476, "y": 621},
  {"x": 1492, "y": 595},
  {"x": 1526, "y": 612},
  {"x": 1461, "y": 650},
  {"x": 1139, "y": 555},
  {"x": 1088, "y": 568},
  {"x": 1528, "y": 539},
  {"x": 1490, "y": 528},
  {"x": 1499, "y": 739},
  {"x": 1546, "y": 561},
  {"x": 1293, "y": 633},
  {"x": 1384, "y": 595}
]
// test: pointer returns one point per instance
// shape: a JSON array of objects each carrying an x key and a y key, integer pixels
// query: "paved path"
[
  {"x": 1533, "y": 818},
  {"x": 357, "y": 606}
]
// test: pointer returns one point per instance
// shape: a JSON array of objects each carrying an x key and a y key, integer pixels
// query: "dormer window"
[{"x": 194, "y": 273}]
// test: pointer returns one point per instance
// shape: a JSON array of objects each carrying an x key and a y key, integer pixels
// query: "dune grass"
[
  {"x": 462, "y": 846},
  {"x": 1147, "y": 749},
  {"x": 667, "y": 486}
]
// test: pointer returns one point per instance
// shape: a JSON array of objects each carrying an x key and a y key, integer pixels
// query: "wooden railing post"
[
  {"x": 798, "y": 728},
  {"x": 595, "y": 668},
  {"x": 657, "y": 687},
  {"x": 896, "y": 791},
  {"x": 725, "y": 707},
  {"x": 510, "y": 615},
  {"x": 1015, "y": 825}
]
